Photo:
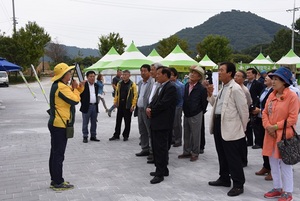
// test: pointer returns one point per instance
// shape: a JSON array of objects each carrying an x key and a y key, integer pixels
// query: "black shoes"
[
  {"x": 235, "y": 191},
  {"x": 177, "y": 144},
  {"x": 114, "y": 138},
  {"x": 219, "y": 183},
  {"x": 153, "y": 174},
  {"x": 125, "y": 139},
  {"x": 94, "y": 139},
  {"x": 150, "y": 161},
  {"x": 143, "y": 153},
  {"x": 85, "y": 140},
  {"x": 156, "y": 180},
  {"x": 256, "y": 146}
]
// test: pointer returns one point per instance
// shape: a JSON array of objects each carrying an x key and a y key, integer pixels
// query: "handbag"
[
  {"x": 289, "y": 148},
  {"x": 69, "y": 127}
]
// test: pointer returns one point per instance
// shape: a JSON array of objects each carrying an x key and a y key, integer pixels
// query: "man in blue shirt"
[{"x": 177, "y": 126}]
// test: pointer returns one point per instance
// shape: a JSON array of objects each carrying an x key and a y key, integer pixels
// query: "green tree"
[
  {"x": 297, "y": 25},
  {"x": 88, "y": 61},
  {"x": 30, "y": 44},
  {"x": 244, "y": 58},
  {"x": 111, "y": 40},
  {"x": 166, "y": 45},
  {"x": 281, "y": 44},
  {"x": 216, "y": 47},
  {"x": 7, "y": 48}
]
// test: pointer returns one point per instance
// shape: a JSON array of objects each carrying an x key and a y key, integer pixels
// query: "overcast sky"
[{"x": 81, "y": 22}]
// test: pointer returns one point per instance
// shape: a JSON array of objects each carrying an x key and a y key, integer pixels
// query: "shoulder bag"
[
  {"x": 69, "y": 127},
  {"x": 289, "y": 148}
]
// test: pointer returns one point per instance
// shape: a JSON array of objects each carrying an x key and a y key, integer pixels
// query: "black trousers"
[
  {"x": 260, "y": 142},
  {"x": 202, "y": 141},
  {"x": 126, "y": 114},
  {"x": 57, "y": 153},
  {"x": 160, "y": 143},
  {"x": 229, "y": 156}
]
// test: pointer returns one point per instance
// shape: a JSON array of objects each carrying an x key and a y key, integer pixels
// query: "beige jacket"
[{"x": 234, "y": 114}]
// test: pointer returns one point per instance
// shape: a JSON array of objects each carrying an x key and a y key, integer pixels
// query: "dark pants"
[
  {"x": 230, "y": 161},
  {"x": 249, "y": 134},
  {"x": 86, "y": 117},
  {"x": 126, "y": 114},
  {"x": 259, "y": 131},
  {"x": 202, "y": 141},
  {"x": 160, "y": 143},
  {"x": 260, "y": 142},
  {"x": 57, "y": 153}
]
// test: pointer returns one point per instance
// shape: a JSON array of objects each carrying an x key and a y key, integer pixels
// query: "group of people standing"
[{"x": 239, "y": 109}]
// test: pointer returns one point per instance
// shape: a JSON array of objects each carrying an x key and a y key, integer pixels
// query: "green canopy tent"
[
  {"x": 154, "y": 56},
  {"x": 111, "y": 55},
  {"x": 179, "y": 60},
  {"x": 207, "y": 62},
  {"x": 289, "y": 59},
  {"x": 132, "y": 58},
  {"x": 269, "y": 58},
  {"x": 261, "y": 60}
]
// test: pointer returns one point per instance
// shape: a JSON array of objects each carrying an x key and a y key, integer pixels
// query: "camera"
[
  {"x": 209, "y": 76},
  {"x": 251, "y": 108}
]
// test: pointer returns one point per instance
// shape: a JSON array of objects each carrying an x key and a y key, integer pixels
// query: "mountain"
[
  {"x": 243, "y": 29},
  {"x": 73, "y": 51}
]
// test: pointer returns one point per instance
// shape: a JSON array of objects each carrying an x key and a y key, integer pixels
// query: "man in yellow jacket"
[
  {"x": 63, "y": 99},
  {"x": 125, "y": 100}
]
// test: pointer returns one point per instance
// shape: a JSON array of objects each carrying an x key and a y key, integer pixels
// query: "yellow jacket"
[
  {"x": 131, "y": 96},
  {"x": 63, "y": 100}
]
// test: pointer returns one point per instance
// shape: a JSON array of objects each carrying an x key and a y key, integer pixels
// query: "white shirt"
[
  {"x": 92, "y": 93},
  {"x": 154, "y": 87},
  {"x": 140, "y": 102}
]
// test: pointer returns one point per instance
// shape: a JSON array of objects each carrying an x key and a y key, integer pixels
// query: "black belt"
[
  {"x": 217, "y": 116},
  {"x": 93, "y": 103}
]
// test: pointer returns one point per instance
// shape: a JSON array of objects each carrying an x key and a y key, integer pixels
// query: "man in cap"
[
  {"x": 63, "y": 99},
  {"x": 194, "y": 105}
]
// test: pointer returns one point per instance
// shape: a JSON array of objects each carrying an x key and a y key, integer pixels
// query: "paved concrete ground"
[{"x": 103, "y": 170}]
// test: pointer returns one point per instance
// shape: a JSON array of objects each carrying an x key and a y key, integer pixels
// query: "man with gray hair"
[
  {"x": 194, "y": 105},
  {"x": 155, "y": 86}
]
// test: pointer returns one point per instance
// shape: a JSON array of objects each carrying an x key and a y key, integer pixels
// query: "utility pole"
[
  {"x": 14, "y": 16},
  {"x": 293, "y": 24}
]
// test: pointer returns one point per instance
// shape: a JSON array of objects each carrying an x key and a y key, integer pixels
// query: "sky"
[{"x": 81, "y": 22}]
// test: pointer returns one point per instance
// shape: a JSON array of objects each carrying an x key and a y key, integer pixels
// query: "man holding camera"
[{"x": 255, "y": 89}]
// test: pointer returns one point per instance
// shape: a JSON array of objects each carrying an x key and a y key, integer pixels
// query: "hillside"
[
  {"x": 73, "y": 51},
  {"x": 243, "y": 29}
]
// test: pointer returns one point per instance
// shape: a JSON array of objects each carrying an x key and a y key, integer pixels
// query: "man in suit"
[
  {"x": 228, "y": 123},
  {"x": 161, "y": 112},
  {"x": 155, "y": 86},
  {"x": 259, "y": 107},
  {"x": 255, "y": 89},
  {"x": 89, "y": 107},
  {"x": 144, "y": 86}
]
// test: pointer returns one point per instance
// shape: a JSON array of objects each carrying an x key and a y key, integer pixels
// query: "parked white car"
[{"x": 4, "y": 78}]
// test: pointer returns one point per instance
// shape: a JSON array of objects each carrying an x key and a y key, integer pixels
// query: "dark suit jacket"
[
  {"x": 163, "y": 108},
  {"x": 255, "y": 90},
  {"x": 263, "y": 103},
  {"x": 85, "y": 98}
]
